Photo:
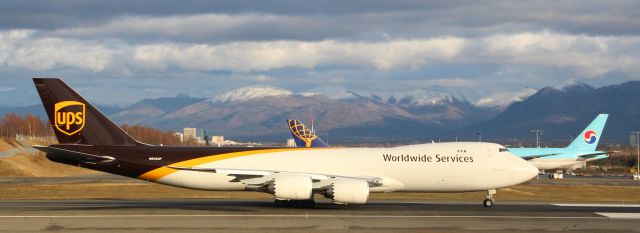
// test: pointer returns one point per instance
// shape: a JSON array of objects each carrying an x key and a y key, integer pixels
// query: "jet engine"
[
  {"x": 291, "y": 187},
  {"x": 348, "y": 191}
]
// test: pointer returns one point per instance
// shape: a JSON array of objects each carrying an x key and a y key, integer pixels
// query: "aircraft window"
[{"x": 503, "y": 149}]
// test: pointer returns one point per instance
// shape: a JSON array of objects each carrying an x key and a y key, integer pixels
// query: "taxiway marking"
[
  {"x": 599, "y": 205},
  {"x": 620, "y": 215}
]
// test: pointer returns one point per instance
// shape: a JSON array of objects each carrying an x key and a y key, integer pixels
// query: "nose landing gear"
[{"x": 488, "y": 198}]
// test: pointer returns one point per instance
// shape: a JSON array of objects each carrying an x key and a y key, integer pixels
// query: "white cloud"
[
  {"x": 261, "y": 56},
  {"x": 19, "y": 48},
  {"x": 450, "y": 82},
  {"x": 7, "y": 89},
  {"x": 590, "y": 56}
]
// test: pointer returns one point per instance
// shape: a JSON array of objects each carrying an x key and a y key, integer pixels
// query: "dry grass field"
[{"x": 25, "y": 164}]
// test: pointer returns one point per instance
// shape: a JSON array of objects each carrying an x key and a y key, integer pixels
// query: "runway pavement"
[{"x": 208, "y": 215}]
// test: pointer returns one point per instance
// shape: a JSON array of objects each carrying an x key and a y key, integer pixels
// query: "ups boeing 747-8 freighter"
[{"x": 89, "y": 139}]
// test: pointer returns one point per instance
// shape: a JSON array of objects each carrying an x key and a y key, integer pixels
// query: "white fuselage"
[
  {"x": 441, "y": 167},
  {"x": 550, "y": 164}
]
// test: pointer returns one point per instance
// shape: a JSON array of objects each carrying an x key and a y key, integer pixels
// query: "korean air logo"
[{"x": 590, "y": 137}]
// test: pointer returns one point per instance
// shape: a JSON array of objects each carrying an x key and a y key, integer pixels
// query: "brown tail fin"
[{"x": 76, "y": 121}]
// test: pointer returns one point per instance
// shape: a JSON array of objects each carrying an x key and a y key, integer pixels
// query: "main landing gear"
[
  {"x": 488, "y": 198},
  {"x": 295, "y": 203}
]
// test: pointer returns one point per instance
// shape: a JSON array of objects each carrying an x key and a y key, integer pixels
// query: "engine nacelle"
[
  {"x": 291, "y": 187},
  {"x": 348, "y": 191}
]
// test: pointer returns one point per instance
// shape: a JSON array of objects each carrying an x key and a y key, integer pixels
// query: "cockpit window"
[{"x": 503, "y": 149}]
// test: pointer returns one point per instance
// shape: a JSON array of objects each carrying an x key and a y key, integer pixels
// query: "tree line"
[
  {"x": 12, "y": 124},
  {"x": 151, "y": 135}
]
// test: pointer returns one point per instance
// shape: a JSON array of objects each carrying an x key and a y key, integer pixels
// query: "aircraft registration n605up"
[{"x": 89, "y": 139}]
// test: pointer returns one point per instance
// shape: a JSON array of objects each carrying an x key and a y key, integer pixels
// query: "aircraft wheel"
[{"x": 487, "y": 203}]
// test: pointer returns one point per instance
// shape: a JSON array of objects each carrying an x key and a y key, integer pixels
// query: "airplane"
[
  {"x": 87, "y": 138},
  {"x": 582, "y": 149}
]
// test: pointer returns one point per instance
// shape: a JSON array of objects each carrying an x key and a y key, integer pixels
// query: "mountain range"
[
  {"x": 342, "y": 116},
  {"x": 564, "y": 111}
]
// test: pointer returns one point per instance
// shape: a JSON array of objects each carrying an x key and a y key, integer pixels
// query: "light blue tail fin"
[
  {"x": 303, "y": 136},
  {"x": 589, "y": 137}
]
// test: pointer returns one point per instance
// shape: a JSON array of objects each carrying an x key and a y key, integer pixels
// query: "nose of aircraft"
[{"x": 524, "y": 170}]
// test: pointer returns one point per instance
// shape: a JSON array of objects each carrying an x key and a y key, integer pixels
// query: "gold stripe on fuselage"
[{"x": 158, "y": 173}]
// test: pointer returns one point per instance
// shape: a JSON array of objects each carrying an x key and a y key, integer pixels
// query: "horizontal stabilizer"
[
  {"x": 590, "y": 156},
  {"x": 530, "y": 157},
  {"x": 82, "y": 157}
]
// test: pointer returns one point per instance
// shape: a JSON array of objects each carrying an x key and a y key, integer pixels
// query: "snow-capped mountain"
[
  {"x": 565, "y": 109},
  {"x": 424, "y": 97},
  {"x": 248, "y": 93},
  {"x": 504, "y": 99},
  {"x": 333, "y": 92},
  {"x": 573, "y": 84}
]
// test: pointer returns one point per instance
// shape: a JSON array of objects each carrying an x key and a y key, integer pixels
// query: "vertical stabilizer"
[
  {"x": 588, "y": 139},
  {"x": 303, "y": 136},
  {"x": 76, "y": 121}
]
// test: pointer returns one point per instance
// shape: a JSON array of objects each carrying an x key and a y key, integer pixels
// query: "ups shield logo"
[{"x": 69, "y": 117}]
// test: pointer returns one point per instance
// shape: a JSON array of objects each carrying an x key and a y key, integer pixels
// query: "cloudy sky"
[{"x": 117, "y": 52}]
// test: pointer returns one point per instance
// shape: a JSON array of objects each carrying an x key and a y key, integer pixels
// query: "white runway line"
[
  {"x": 293, "y": 216},
  {"x": 598, "y": 205},
  {"x": 620, "y": 215}
]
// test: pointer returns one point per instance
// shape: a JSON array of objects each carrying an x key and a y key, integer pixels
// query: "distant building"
[
  {"x": 217, "y": 140},
  {"x": 200, "y": 133},
  {"x": 200, "y": 141},
  {"x": 189, "y": 134},
  {"x": 291, "y": 142},
  {"x": 180, "y": 135}
]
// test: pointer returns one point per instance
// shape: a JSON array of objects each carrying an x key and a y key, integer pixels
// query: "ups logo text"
[{"x": 69, "y": 117}]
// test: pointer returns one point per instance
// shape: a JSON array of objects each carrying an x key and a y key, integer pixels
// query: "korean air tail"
[
  {"x": 76, "y": 121},
  {"x": 588, "y": 139},
  {"x": 303, "y": 136}
]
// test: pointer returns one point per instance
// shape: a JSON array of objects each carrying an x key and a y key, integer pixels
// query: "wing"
[
  {"x": 590, "y": 156},
  {"x": 261, "y": 177},
  {"x": 82, "y": 157},
  {"x": 530, "y": 157}
]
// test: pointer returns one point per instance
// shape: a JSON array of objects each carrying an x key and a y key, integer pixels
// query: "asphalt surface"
[{"x": 198, "y": 215}]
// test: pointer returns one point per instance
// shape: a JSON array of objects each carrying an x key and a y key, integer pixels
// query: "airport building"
[
  {"x": 217, "y": 139},
  {"x": 180, "y": 135},
  {"x": 291, "y": 142},
  {"x": 189, "y": 134}
]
